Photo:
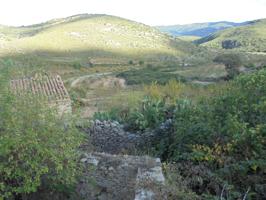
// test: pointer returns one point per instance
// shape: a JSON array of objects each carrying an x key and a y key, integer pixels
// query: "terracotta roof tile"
[{"x": 51, "y": 87}]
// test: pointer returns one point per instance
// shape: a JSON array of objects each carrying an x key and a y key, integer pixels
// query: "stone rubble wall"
[
  {"x": 108, "y": 136},
  {"x": 116, "y": 176},
  {"x": 121, "y": 177}
]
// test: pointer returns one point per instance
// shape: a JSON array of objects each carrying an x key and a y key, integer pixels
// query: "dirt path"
[
  {"x": 257, "y": 53},
  {"x": 82, "y": 78}
]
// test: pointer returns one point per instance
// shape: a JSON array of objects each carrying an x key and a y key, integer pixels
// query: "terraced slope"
[{"x": 251, "y": 37}]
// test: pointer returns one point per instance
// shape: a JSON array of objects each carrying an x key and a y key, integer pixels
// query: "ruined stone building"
[
  {"x": 49, "y": 88},
  {"x": 108, "y": 173}
]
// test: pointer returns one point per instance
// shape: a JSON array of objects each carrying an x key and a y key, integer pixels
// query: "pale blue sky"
[{"x": 151, "y": 12}]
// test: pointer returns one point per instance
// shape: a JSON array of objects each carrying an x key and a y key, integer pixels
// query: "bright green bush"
[
  {"x": 148, "y": 115},
  {"x": 37, "y": 149},
  {"x": 113, "y": 114}
]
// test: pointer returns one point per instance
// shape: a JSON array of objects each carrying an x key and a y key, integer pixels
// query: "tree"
[
  {"x": 36, "y": 147},
  {"x": 232, "y": 63}
]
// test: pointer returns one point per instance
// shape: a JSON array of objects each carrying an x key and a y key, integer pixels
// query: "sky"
[{"x": 150, "y": 12}]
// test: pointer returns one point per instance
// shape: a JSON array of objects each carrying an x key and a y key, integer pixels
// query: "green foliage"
[
  {"x": 250, "y": 37},
  {"x": 131, "y": 62},
  {"x": 149, "y": 114},
  {"x": 219, "y": 141},
  {"x": 113, "y": 114},
  {"x": 227, "y": 132},
  {"x": 141, "y": 62},
  {"x": 77, "y": 66},
  {"x": 232, "y": 63},
  {"x": 177, "y": 186},
  {"x": 36, "y": 147},
  {"x": 148, "y": 75}
]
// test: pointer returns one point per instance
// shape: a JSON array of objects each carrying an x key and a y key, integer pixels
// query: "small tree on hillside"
[{"x": 232, "y": 64}]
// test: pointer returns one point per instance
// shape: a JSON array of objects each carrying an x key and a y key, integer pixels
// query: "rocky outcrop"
[
  {"x": 230, "y": 44},
  {"x": 121, "y": 177}
]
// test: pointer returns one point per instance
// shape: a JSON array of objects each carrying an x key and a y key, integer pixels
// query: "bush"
[
  {"x": 232, "y": 63},
  {"x": 218, "y": 141},
  {"x": 113, "y": 115},
  {"x": 148, "y": 75},
  {"x": 77, "y": 66},
  {"x": 131, "y": 62},
  {"x": 37, "y": 149},
  {"x": 151, "y": 113},
  {"x": 225, "y": 133},
  {"x": 141, "y": 62}
]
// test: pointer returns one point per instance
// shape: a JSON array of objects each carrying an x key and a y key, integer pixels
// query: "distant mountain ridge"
[
  {"x": 251, "y": 37},
  {"x": 199, "y": 29}
]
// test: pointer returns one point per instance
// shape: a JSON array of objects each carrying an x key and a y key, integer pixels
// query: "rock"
[
  {"x": 230, "y": 44},
  {"x": 83, "y": 160},
  {"x": 144, "y": 195}
]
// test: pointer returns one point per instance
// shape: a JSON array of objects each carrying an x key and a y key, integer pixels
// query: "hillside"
[
  {"x": 198, "y": 29},
  {"x": 251, "y": 37},
  {"x": 92, "y": 38}
]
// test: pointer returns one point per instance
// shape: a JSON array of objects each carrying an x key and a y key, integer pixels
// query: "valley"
[
  {"x": 85, "y": 47},
  {"x": 167, "y": 112}
]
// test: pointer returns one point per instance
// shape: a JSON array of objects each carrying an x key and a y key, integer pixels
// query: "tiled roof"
[{"x": 44, "y": 86}]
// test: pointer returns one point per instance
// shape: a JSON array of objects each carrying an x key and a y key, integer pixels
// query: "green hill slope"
[
  {"x": 92, "y": 38},
  {"x": 251, "y": 37}
]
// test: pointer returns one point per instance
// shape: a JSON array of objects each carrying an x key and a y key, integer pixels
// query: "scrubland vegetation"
[
  {"x": 251, "y": 38},
  {"x": 37, "y": 149},
  {"x": 215, "y": 148},
  {"x": 116, "y": 69}
]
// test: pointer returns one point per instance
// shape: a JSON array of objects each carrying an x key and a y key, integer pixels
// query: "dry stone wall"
[
  {"x": 121, "y": 177},
  {"x": 116, "y": 176},
  {"x": 109, "y": 136}
]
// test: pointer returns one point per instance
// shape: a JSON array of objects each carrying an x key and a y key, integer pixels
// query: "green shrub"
[
  {"x": 232, "y": 63},
  {"x": 150, "y": 66},
  {"x": 148, "y": 75},
  {"x": 148, "y": 115},
  {"x": 77, "y": 66},
  {"x": 227, "y": 133},
  {"x": 112, "y": 115},
  {"x": 141, "y": 62},
  {"x": 218, "y": 141},
  {"x": 131, "y": 62},
  {"x": 36, "y": 147}
]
